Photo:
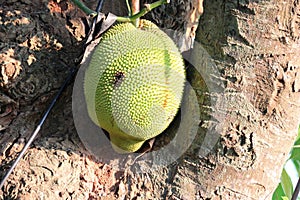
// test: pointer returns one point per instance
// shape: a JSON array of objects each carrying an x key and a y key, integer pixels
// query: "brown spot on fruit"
[
  {"x": 118, "y": 79},
  {"x": 165, "y": 101}
]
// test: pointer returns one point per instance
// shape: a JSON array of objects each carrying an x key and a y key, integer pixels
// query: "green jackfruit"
[{"x": 134, "y": 83}]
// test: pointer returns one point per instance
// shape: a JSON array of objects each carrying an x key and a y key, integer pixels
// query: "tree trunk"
[{"x": 243, "y": 73}]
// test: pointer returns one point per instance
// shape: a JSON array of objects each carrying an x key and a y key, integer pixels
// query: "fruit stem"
[
  {"x": 145, "y": 10},
  {"x": 132, "y": 18},
  {"x": 85, "y": 9}
]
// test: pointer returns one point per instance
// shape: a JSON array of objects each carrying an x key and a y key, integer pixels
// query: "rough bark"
[
  {"x": 250, "y": 98},
  {"x": 256, "y": 46}
]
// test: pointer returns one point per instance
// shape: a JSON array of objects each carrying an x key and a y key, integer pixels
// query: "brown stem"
[{"x": 135, "y": 6}]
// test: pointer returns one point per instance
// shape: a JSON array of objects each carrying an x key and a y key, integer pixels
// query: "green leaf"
[
  {"x": 287, "y": 184},
  {"x": 295, "y": 153},
  {"x": 297, "y": 165},
  {"x": 284, "y": 189},
  {"x": 298, "y": 137},
  {"x": 278, "y": 193},
  {"x": 297, "y": 142}
]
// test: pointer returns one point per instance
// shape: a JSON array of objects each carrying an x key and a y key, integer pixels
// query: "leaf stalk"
[
  {"x": 145, "y": 10},
  {"x": 84, "y": 8}
]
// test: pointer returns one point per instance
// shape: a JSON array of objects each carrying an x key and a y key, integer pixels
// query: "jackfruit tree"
[{"x": 247, "y": 91}]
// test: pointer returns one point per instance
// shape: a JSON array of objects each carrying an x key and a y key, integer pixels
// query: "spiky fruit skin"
[{"x": 134, "y": 83}]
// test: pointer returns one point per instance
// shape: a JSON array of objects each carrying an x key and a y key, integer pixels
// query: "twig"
[
  {"x": 84, "y": 8},
  {"x": 135, "y": 7},
  {"x": 128, "y": 8},
  {"x": 145, "y": 10}
]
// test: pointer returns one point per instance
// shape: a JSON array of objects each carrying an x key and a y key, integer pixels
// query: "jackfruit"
[{"x": 134, "y": 83}]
